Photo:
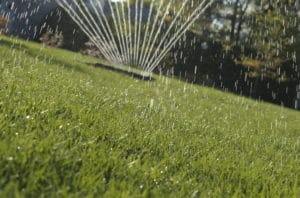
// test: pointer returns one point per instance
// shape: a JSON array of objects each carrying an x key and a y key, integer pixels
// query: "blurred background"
[{"x": 247, "y": 47}]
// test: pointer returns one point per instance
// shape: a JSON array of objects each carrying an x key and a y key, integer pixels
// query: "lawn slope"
[{"x": 70, "y": 130}]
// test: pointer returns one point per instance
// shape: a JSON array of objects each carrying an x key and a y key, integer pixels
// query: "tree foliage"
[{"x": 251, "y": 48}]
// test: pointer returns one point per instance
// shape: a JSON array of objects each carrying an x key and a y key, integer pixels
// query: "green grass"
[{"x": 71, "y": 130}]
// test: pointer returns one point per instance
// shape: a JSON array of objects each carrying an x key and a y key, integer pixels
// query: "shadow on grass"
[
  {"x": 36, "y": 53},
  {"x": 119, "y": 70},
  {"x": 13, "y": 45},
  {"x": 65, "y": 64},
  {"x": 33, "y": 52}
]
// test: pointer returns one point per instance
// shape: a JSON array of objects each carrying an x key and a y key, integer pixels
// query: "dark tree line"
[{"x": 249, "y": 47}]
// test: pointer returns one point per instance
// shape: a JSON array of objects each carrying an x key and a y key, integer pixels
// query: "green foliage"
[
  {"x": 252, "y": 49},
  {"x": 69, "y": 130},
  {"x": 272, "y": 34}
]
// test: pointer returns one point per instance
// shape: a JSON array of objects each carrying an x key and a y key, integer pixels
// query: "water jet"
[{"x": 136, "y": 33}]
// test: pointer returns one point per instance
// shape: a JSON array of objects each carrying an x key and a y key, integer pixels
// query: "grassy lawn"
[{"x": 71, "y": 130}]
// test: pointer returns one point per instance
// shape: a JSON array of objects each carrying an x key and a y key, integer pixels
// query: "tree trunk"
[{"x": 234, "y": 19}]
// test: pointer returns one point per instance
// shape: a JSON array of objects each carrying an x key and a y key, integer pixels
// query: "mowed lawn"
[{"x": 71, "y": 130}]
